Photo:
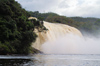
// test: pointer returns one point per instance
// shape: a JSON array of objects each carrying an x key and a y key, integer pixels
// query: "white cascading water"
[
  {"x": 55, "y": 30},
  {"x": 64, "y": 39}
]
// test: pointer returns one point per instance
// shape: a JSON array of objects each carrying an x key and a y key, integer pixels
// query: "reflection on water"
[
  {"x": 13, "y": 62},
  {"x": 50, "y": 60}
]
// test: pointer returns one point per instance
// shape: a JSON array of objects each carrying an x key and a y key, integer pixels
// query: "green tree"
[{"x": 16, "y": 32}]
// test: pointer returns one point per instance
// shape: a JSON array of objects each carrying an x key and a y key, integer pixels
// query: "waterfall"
[
  {"x": 55, "y": 30},
  {"x": 64, "y": 39}
]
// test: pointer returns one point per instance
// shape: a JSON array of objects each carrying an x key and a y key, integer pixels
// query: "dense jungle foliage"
[
  {"x": 89, "y": 25},
  {"x": 16, "y": 32}
]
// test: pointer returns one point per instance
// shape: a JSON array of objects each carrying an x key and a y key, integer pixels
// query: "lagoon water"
[{"x": 51, "y": 60}]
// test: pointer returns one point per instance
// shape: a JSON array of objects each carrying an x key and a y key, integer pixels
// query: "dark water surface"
[{"x": 50, "y": 60}]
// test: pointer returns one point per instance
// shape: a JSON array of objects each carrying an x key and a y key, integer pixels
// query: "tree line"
[
  {"x": 16, "y": 31},
  {"x": 89, "y": 25}
]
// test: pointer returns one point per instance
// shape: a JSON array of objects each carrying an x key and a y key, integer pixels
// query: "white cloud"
[{"x": 85, "y": 8}]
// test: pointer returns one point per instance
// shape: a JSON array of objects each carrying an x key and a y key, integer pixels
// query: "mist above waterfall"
[
  {"x": 64, "y": 39},
  {"x": 72, "y": 44},
  {"x": 55, "y": 30}
]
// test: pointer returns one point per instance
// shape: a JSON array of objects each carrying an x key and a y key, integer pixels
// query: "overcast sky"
[{"x": 69, "y": 8}]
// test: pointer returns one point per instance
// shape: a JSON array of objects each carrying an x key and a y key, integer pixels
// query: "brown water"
[{"x": 55, "y": 31}]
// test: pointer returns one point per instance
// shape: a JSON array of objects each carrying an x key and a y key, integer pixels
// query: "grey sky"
[{"x": 84, "y": 8}]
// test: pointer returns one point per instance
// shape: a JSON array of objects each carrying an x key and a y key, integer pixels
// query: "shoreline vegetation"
[{"x": 17, "y": 31}]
